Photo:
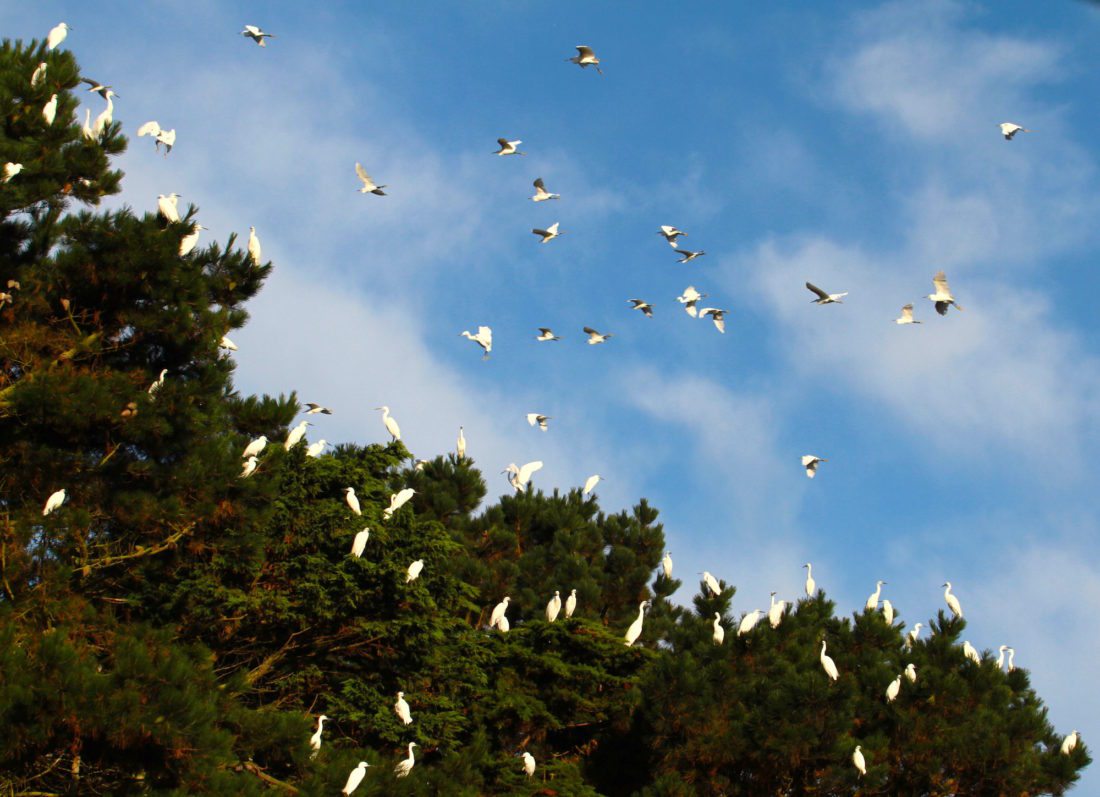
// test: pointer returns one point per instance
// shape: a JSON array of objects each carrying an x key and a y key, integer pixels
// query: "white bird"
[
  {"x": 317, "y": 409},
  {"x": 595, "y": 337},
  {"x": 528, "y": 763},
  {"x": 719, "y": 635},
  {"x": 49, "y": 110},
  {"x": 859, "y": 761},
  {"x": 413, "y": 572},
  {"x": 590, "y": 483},
  {"x": 906, "y": 316},
  {"x": 521, "y": 476},
  {"x": 534, "y": 418},
  {"x": 1001, "y": 656},
  {"x": 971, "y": 652},
  {"x": 952, "y": 601},
  {"x": 359, "y": 544},
  {"x": 775, "y": 611},
  {"x": 689, "y": 298},
  {"x": 191, "y": 240},
  {"x": 254, "y": 249},
  {"x": 670, "y": 234},
  {"x": 643, "y": 305},
  {"x": 571, "y": 603},
  {"x": 398, "y": 500},
  {"x": 541, "y": 194},
  {"x": 460, "y": 444},
  {"x": 942, "y": 297},
  {"x": 257, "y": 35},
  {"x": 295, "y": 435},
  {"x": 360, "y": 772},
  {"x": 403, "y": 768},
  {"x": 159, "y": 134},
  {"x": 549, "y": 234},
  {"x": 508, "y": 147},
  {"x": 11, "y": 169},
  {"x": 666, "y": 564},
  {"x": 711, "y": 582},
  {"x": 254, "y": 448},
  {"x": 249, "y": 468},
  {"x": 227, "y": 344},
  {"x": 39, "y": 74},
  {"x": 810, "y": 463},
  {"x": 352, "y": 500},
  {"x": 545, "y": 334},
  {"x": 420, "y": 463},
  {"x": 828, "y": 664},
  {"x": 688, "y": 255},
  {"x": 168, "y": 206},
  {"x": 749, "y": 621},
  {"x": 893, "y": 689},
  {"x": 717, "y": 315},
  {"x": 1009, "y": 129},
  {"x": 499, "y": 611},
  {"x": 1011, "y": 656},
  {"x": 503, "y": 625},
  {"x": 911, "y": 672},
  {"x": 825, "y": 298},
  {"x": 401, "y": 708},
  {"x": 553, "y": 608},
  {"x": 57, "y": 35},
  {"x": 369, "y": 186},
  {"x": 483, "y": 338},
  {"x": 390, "y": 423},
  {"x": 811, "y": 585},
  {"x": 585, "y": 58},
  {"x": 55, "y": 500},
  {"x": 315, "y": 739},
  {"x": 911, "y": 637},
  {"x": 872, "y": 600},
  {"x": 888, "y": 612},
  {"x": 106, "y": 116},
  {"x": 1069, "y": 744},
  {"x": 635, "y": 629},
  {"x": 316, "y": 449},
  {"x": 158, "y": 383},
  {"x": 87, "y": 131},
  {"x": 102, "y": 89}
]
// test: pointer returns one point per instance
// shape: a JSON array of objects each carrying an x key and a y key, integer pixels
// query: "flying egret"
[
  {"x": 893, "y": 689},
  {"x": 689, "y": 298},
  {"x": 911, "y": 672},
  {"x": 906, "y": 316},
  {"x": 590, "y": 483},
  {"x": 534, "y": 418},
  {"x": 541, "y": 194},
  {"x": 595, "y": 337},
  {"x": 872, "y": 599},
  {"x": 254, "y": 448},
  {"x": 549, "y": 234},
  {"x": 55, "y": 500},
  {"x": 102, "y": 89},
  {"x": 11, "y": 169},
  {"x": 483, "y": 338},
  {"x": 57, "y": 35},
  {"x": 585, "y": 58},
  {"x": 643, "y": 305},
  {"x": 317, "y": 409},
  {"x": 315, "y": 739},
  {"x": 257, "y": 35},
  {"x": 711, "y": 582},
  {"x": 775, "y": 611},
  {"x": 1001, "y": 656},
  {"x": 413, "y": 572},
  {"x": 39, "y": 74},
  {"x": 719, "y": 635},
  {"x": 359, "y": 544},
  {"x": 825, "y": 298},
  {"x": 1009, "y": 129},
  {"x": 295, "y": 435},
  {"x": 254, "y": 249},
  {"x": 952, "y": 601},
  {"x": 520, "y": 476},
  {"x": 390, "y": 423},
  {"x": 528, "y": 763},
  {"x": 911, "y": 637},
  {"x": 508, "y": 147},
  {"x": 553, "y": 608},
  {"x": 811, "y": 585},
  {"x": 403, "y": 768},
  {"x": 460, "y": 444},
  {"x": 49, "y": 110},
  {"x": 688, "y": 255},
  {"x": 499, "y": 611},
  {"x": 1069, "y": 744},
  {"x": 670, "y": 234},
  {"x": 401, "y": 709},
  {"x": 666, "y": 564},
  {"x": 859, "y": 761},
  {"x": 545, "y": 334},
  {"x": 635, "y": 629},
  {"x": 717, "y": 315},
  {"x": 828, "y": 664},
  {"x": 971, "y": 652},
  {"x": 888, "y": 612},
  {"x": 749, "y": 621},
  {"x": 168, "y": 206},
  {"x": 352, "y": 500},
  {"x": 249, "y": 468},
  {"x": 571, "y": 603},
  {"x": 191, "y": 240},
  {"x": 810, "y": 463},
  {"x": 106, "y": 116},
  {"x": 1011, "y": 656},
  {"x": 360, "y": 772},
  {"x": 160, "y": 135},
  {"x": 227, "y": 344},
  {"x": 942, "y": 297},
  {"x": 369, "y": 186},
  {"x": 398, "y": 500}
]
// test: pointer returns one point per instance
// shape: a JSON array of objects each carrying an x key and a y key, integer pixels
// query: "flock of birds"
[{"x": 518, "y": 476}]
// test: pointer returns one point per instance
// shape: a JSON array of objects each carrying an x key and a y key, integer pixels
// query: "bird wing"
[
  {"x": 584, "y": 50},
  {"x": 540, "y": 185},
  {"x": 554, "y": 227},
  {"x": 532, "y": 417},
  {"x": 546, "y": 331},
  {"x": 503, "y": 142},
  {"x": 485, "y": 332},
  {"x": 149, "y": 129},
  {"x": 940, "y": 281},
  {"x": 807, "y": 459},
  {"x": 362, "y": 173},
  {"x": 907, "y": 312},
  {"x": 543, "y": 233},
  {"x": 684, "y": 252},
  {"x": 814, "y": 289},
  {"x": 591, "y": 331},
  {"x": 528, "y": 470}
]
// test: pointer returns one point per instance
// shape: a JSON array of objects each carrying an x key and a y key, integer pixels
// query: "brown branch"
[
  {"x": 265, "y": 666},
  {"x": 255, "y": 770},
  {"x": 163, "y": 545}
]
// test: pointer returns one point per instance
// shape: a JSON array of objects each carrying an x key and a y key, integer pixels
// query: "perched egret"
[
  {"x": 711, "y": 582},
  {"x": 858, "y": 760},
  {"x": 585, "y": 58},
  {"x": 590, "y": 483},
  {"x": 483, "y": 338},
  {"x": 689, "y": 298},
  {"x": 106, "y": 116},
  {"x": 643, "y": 305},
  {"x": 508, "y": 147},
  {"x": 545, "y": 334},
  {"x": 403, "y": 768},
  {"x": 719, "y": 635},
  {"x": 825, "y": 298},
  {"x": 369, "y": 186},
  {"x": 811, "y": 585},
  {"x": 911, "y": 672},
  {"x": 419, "y": 464},
  {"x": 528, "y": 763},
  {"x": 460, "y": 444},
  {"x": 158, "y": 383},
  {"x": 971, "y": 652},
  {"x": 666, "y": 564},
  {"x": 191, "y": 240},
  {"x": 254, "y": 448},
  {"x": 317, "y": 409},
  {"x": 359, "y": 544},
  {"x": 1069, "y": 744},
  {"x": 257, "y": 35},
  {"x": 952, "y": 602},
  {"x": 1009, "y": 129},
  {"x": 670, "y": 234},
  {"x": 168, "y": 206},
  {"x": 498, "y": 611},
  {"x": 255, "y": 251},
  {"x": 541, "y": 194},
  {"x": 1001, "y": 656},
  {"x": 249, "y": 468},
  {"x": 360, "y": 772},
  {"x": 553, "y": 608},
  {"x": 352, "y": 500},
  {"x": 520, "y": 476},
  {"x": 295, "y": 435},
  {"x": 717, "y": 315},
  {"x": 942, "y": 297},
  {"x": 11, "y": 169},
  {"x": 503, "y": 625},
  {"x": 872, "y": 600},
  {"x": 571, "y": 603},
  {"x": 1011, "y": 656},
  {"x": 906, "y": 316},
  {"x": 888, "y": 612},
  {"x": 390, "y": 423},
  {"x": 87, "y": 131},
  {"x": 893, "y": 689},
  {"x": 315, "y": 739},
  {"x": 635, "y": 629},
  {"x": 775, "y": 611},
  {"x": 911, "y": 637},
  {"x": 828, "y": 664},
  {"x": 57, "y": 35},
  {"x": 49, "y": 110},
  {"x": 398, "y": 500},
  {"x": 549, "y": 234},
  {"x": 39, "y": 74},
  {"x": 595, "y": 337},
  {"x": 401, "y": 709},
  {"x": 413, "y": 572},
  {"x": 810, "y": 463},
  {"x": 227, "y": 344},
  {"x": 55, "y": 500},
  {"x": 534, "y": 418},
  {"x": 688, "y": 255},
  {"x": 749, "y": 621}
]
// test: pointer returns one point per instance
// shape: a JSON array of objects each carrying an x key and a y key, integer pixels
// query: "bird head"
[{"x": 322, "y": 718}]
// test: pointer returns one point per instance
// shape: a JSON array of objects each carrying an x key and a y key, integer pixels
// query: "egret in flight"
[
  {"x": 689, "y": 298},
  {"x": 520, "y": 476},
  {"x": 57, "y": 35},
  {"x": 1009, "y": 129},
  {"x": 369, "y": 186},
  {"x": 257, "y": 35},
  {"x": 643, "y": 305},
  {"x": 159, "y": 134},
  {"x": 549, "y": 234},
  {"x": 403, "y": 768},
  {"x": 53, "y": 502},
  {"x": 670, "y": 234},
  {"x": 810, "y": 463},
  {"x": 952, "y": 602},
  {"x": 942, "y": 297},
  {"x": 635, "y": 629},
  {"x": 585, "y": 58},
  {"x": 352, "y": 500},
  {"x": 906, "y": 316},
  {"x": 595, "y": 337},
  {"x": 717, "y": 315},
  {"x": 102, "y": 89},
  {"x": 688, "y": 255},
  {"x": 317, "y": 409},
  {"x": 590, "y": 483},
  {"x": 390, "y": 423},
  {"x": 401, "y": 709},
  {"x": 825, "y": 298},
  {"x": 541, "y": 194},
  {"x": 508, "y": 147},
  {"x": 483, "y": 338},
  {"x": 534, "y": 418},
  {"x": 546, "y": 334}
]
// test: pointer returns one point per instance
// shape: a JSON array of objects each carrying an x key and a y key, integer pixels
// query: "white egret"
[
  {"x": 719, "y": 635},
  {"x": 571, "y": 603},
  {"x": 87, "y": 131},
  {"x": 952, "y": 602},
  {"x": 828, "y": 664},
  {"x": 359, "y": 544},
  {"x": 688, "y": 255},
  {"x": 503, "y": 625},
  {"x": 749, "y": 621},
  {"x": 971, "y": 652},
  {"x": 55, "y": 500},
  {"x": 257, "y": 35},
  {"x": 549, "y": 234},
  {"x": 534, "y": 418},
  {"x": 106, "y": 116},
  {"x": 315, "y": 739},
  {"x": 316, "y": 449},
  {"x": 528, "y": 763},
  {"x": 888, "y": 612},
  {"x": 168, "y": 206},
  {"x": 666, "y": 564},
  {"x": 872, "y": 600},
  {"x": 498, "y": 611},
  {"x": 369, "y": 186},
  {"x": 419, "y": 464},
  {"x": 810, "y": 463},
  {"x": 590, "y": 483},
  {"x": 1001, "y": 656},
  {"x": 911, "y": 672},
  {"x": 585, "y": 58},
  {"x": 520, "y": 476},
  {"x": 825, "y": 298},
  {"x": 398, "y": 500},
  {"x": 942, "y": 297},
  {"x": 670, "y": 234},
  {"x": 711, "y": 582},
  {"x": 255, "y": 251},
  {"x": 1011, "y": 657},
  {"x": 102, "y": 89},
  {"x": 401, "y": 709},
  {"x": 227, "y": 344},
  {"x": 352, "y": 500},
  {"x": 595, "y": 337},
  {"x": 49, "y": 110},
  {"x": 317, "y": 409},
  {"x": 508, "y": 147},
  {"x": 153, "y": 128},
  {"x": 39, "y": 74},
  {"x": 906, "y": 316},
  {"x": 811, "y": 585},
  {"x": 57, "y": 35},
  {"x": 553, "y": 608},
  {"x": 1069, "y": 744},
  {"x": 360, "y": 772},
  {"x": 541, "y": 194},
  {"x": 635, "y": 629},
  {"x": 483, "y": 338},
  {"x": 911, "y": 637},
  {"x": 191, "y": 240},
  {"x": 717, "y": 315},
  {"x": 775, "y": 611},
  {"x": 689, "y": 298},
  {"x": 546, "y": 334},
  {"x": 893, "y": 689},
  {"x": 1009, "y": 129},
  {"x": 414, "y": 570},
  {"x": 390, "y": 423},
  {"x": 11, "y": 169},
  {"x": 460, "y": 444},
  {"x": 158, "y": 383},
  {"x": 859, "y": 761},
  {"x": 295, "y": 435},
  {"x": 403, "y": 768},
  {"x": 249, "y": 468},
  {"x": 643, "y": 305},
  {"x": 254, "y": 448}
]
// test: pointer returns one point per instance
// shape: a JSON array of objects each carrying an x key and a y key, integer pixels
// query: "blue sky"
[{"x": 853, "y": 145}]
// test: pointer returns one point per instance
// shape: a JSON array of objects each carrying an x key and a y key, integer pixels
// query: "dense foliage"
[{"x": 174, "y": 628}]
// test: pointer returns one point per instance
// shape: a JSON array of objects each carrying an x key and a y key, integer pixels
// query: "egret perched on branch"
[
  {"x": 859, "y": 762},
  {"x": 553, "y": 608},
  {"x": 717, "y": 315},
  {"x": 1001, "y": 656},
  {"x": 893, "y": 689},
  {"x": 257, "y": 35},
  {"x": 254, "y": 250},
  {"x": 942, "y": 297},
  {"x": 688, "y": 255},
  {"x": 749, "y": 621},
  {"x": 643, "y": 305},
  {"x": 906, "y": 316},
  {"x": 828, "y": 664},
  {"x": 571, "y": 603},
  {"x": 369, "y": 186},
  {"x": 911, "y": 672},
  {"x": 519, "y": 477},
  {"x": 952, "y": 602},
  {"x": 191, "y": 240},
  {"x": 39, "y": 74},
  {"x": 57, "y": 35},
  {"x": 719, "y": 635},
  {"x": 87, "y": 131},
  {"x": 590, "y": 483},
  {"x": 595, "y": 337},
  {"x": 541, "y": 194},
  {"x": 810, "y": 463},
  {"x": 1069, "y": 744},
  {"x": 775, "y": 612},
  {"x": 352, "y": 500},
  {"x": 911, "y": 637},
  {"x": 360, "y": 772},
  {"x": 666, "y": 564},
  {"x": 227, "y": 344},
  {"x": 413, "y": 572},
  {"x": 295, "y": 435},
  {"x": 460, "y": 444},
  {"x": 888, "y": 612},
  {"x": 811, "y": 585},
  {"x": 106, "y": 116},
  {"x": 390, "y": 423},
  {"x": 53, "y": 502},
  {"x": 971, "y": 652},
  {"x": 670, "y": 234},
  {"x": 49, "y": 110},
  {"x": 401, "y": 709},
  {"x": 11, "y": 169},
  {"x": 528, "y": 763},
  {"x": 549, "y": 234},
  {"x": 168, "y": 206},
  {"x": 689, "y": 298},
  {"x": 403, "y": 768},
  {"x": 359, "y": 544},
  {"x": 635, "y": 629},
  {"x": 711, "y": 582},
  {"x": 1009, "y": 129},
  {"x": 534, "y": 418},
  {"x": 398, "y": 500},
  {"x": 315, "y": 739},
  {"x": 508, "y": 147},
  {"x": 249, "y": 468},
  {"x": 825, "y": 298},
  {"x": 254, "y": 448},
  {"x": 160, "y": 135},
  {"x": 1011, "y": 656},
  {"x": 158, "y": 383},
  {"x": 585, "y": 58},
  {"x": 872, "y": 599},
  {"x": 498, "y": 612},
  {"x": 483, "y": 338},
  {"x": 546, "y": 334}
]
